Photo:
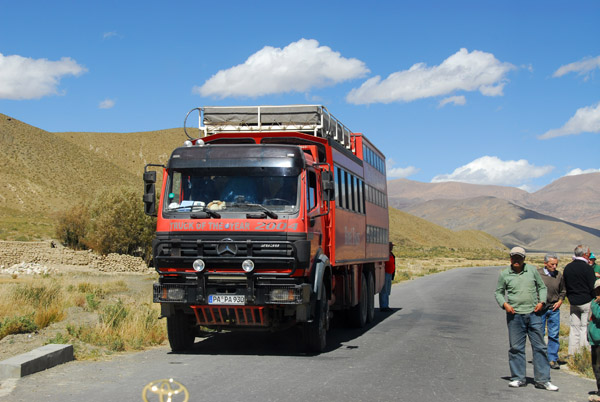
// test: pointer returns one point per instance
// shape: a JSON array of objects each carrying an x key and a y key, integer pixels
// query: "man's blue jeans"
[
  {"x": 552, "y": 318},
  {"x": 384, "y": 294},
  {"x": 519, "y": 327}
]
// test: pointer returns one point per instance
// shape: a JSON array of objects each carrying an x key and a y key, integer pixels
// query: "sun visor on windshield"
[{"x": 243, "y": 156}]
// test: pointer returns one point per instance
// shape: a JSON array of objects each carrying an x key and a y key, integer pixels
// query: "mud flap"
[{"x": 322, "y": 264}]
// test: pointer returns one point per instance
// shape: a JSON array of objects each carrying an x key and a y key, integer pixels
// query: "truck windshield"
[{"x": 196, "y": 190}]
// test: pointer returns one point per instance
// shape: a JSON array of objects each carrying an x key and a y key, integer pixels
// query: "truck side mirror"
[
  {"x": 150, "y": 193},
  {"x": 327, "y": 184}
]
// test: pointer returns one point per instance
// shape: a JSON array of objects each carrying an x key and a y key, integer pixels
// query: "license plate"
[{"x": 226, "y": 299}]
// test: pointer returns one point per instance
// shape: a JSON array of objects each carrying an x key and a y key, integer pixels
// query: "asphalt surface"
[{"x": 445, "y": 340}]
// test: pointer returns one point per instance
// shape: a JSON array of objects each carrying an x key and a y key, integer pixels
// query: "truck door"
[{"x": 313, "y": 206}]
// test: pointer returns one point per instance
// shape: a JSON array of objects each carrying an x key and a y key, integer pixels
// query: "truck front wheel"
[
  {"x": 180, "y": 329},
  {"x": 316, "y": 331}
]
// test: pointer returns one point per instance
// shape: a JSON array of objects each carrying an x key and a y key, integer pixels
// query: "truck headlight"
[
  {"x": 198, "y": 265},
  {"x": 248, "y": 266},
  {"x": 282, "y": 295},
  {"x": 290, "y": 295},
  {"x": 175, "y": 293}
]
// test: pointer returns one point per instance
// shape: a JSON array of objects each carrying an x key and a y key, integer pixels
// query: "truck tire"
[
  {"x": 181, "y": 332},
  {"x": 358, "y": 313},
  {"x": 316, "y": 331},
  {"x": 370, "y": 298}
]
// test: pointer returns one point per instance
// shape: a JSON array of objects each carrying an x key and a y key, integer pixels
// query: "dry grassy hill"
[
  {"x": 413, "y": 234},
  {"x": 43, "y": 173},
  {"x": 129, "y": 151}
]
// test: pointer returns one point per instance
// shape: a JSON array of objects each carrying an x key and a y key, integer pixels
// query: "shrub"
[
  {"x": 59, "y": 338},
  {"x": 582, "y": 363},
  {"x": 94, "y": 289},
  {"x": 118, "y": 224},
  {"x": 17, "y": 325},
  {"x": 37, "y": 296},
  {"x": 48, "y": 315},
  {"x": 114, "y": 314},
  {"x": 114, "y": 222},
  {"x": 92, "y": 303},
  {"x": 72, "y": 227},
  {"x": 402, "y": 276}
]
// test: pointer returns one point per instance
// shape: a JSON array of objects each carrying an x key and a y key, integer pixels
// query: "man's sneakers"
[
  {"x": 555, "y": 365},
  {"x": 548, "y": 386}
]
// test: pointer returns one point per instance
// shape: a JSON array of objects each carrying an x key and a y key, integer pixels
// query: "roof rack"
[{"x": 313, "y": 119}]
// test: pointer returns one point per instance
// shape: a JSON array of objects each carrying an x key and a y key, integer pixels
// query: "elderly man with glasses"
[{"x": 555, "y": 283}]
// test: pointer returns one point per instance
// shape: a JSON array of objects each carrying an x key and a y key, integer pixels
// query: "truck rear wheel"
[
  {"x": 181, "y": 332},
  {"x": 358, "y": 313},
  {"x": 316, "y": 331},
  {"x": 370, "y": 298}
]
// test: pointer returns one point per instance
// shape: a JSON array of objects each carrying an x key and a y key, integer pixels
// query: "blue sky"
[{"x": 486, "y": 92}]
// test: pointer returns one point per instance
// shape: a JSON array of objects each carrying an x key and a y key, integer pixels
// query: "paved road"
[{"x": 445, "y": 341}]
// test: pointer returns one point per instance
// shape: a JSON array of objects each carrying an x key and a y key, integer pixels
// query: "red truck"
[{"x": 276, "y": 216}]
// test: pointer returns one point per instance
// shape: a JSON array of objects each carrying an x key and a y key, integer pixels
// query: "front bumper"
[{"x": 255, "y": 293}]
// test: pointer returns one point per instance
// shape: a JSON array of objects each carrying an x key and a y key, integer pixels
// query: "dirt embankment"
[{"x": 20, "y": 255}]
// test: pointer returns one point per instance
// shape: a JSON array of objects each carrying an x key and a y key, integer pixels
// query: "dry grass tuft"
[{"x": 113, "y": 317}]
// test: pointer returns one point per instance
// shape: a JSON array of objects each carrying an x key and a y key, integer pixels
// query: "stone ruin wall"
[{"x": 53, "y": 253}]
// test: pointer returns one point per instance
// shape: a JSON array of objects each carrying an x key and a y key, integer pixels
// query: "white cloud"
[
  {"x": 527, "y": 67},
  {"x": 26, "y": 78},
  {"x": 585, "y": 120},
  {"x": 108, "y": 35},
  {"x": 582, "y": 67},
  {"x": 298, "y": 67},
  {"x": 106, "y": 104},
  {"x": 528, "y": 188},
  {"x": 578, "y": 171},
  {"x": 456, "y": 100},
  {"x": 463, "y": 71},
  {"x": 492, "y": 170},
  {"x": 399, "y": 173}
]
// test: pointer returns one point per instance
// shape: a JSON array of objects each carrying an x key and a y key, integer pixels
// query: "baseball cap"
[
  {"x": 592, "y": 256},
  {"x": 518, "y": 251}
]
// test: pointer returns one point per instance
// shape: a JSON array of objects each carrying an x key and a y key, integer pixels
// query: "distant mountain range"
[{"x": 555, "y": 218}]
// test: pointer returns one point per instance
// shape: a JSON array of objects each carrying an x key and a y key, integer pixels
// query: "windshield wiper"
[
  {"x": 203, "y": 214},
  {"x": 267, "y": 211}
]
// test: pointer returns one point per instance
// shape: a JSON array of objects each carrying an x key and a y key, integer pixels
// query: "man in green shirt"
[
  {"x": 593, "y": 334},
  {"x": 521, "y": 292}
]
